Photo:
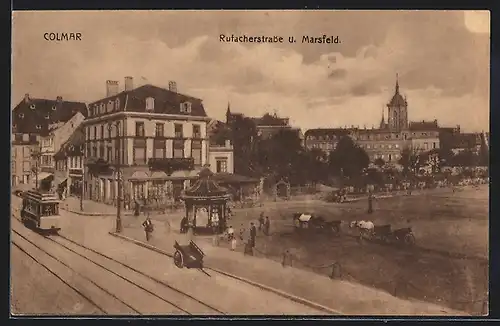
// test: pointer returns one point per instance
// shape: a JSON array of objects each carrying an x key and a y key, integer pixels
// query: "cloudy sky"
[{"x": 442, "y": 59}]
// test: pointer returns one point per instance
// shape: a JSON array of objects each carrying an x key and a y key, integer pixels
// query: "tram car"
[{"x": 40, "y": 210}]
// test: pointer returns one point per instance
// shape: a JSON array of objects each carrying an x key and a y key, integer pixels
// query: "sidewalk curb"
[
  {"x": 91, "y": 213},
  {"x": 261, "y": 286}
]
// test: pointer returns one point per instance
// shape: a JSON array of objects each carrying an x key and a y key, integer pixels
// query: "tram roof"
[{"x": 41, "y": 196}]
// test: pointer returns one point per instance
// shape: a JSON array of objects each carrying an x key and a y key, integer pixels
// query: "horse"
[{"x": 365, "y": 227}]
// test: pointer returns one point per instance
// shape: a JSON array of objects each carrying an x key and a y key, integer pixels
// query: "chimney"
[
  {"x": 129, "y": 83},
  {"x": 228, "y": 143},
  {"x": 111, "y": 88},
  {"x": 59, "y": 99},
  {"x": 26, "y": 97},
  {"x": 172, "y": 86}
]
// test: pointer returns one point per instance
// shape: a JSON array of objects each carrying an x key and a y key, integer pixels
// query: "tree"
[
  {"x": 244, "y": 137},
  {"x": 431, "y": 160},
  {"x": 466, "y": 158},
  {"x": 410, "y": 161},
  {"x": 379, "y": 162},
  {"x": 282, "y": 155},
  {"x": 348, "y": 159}
]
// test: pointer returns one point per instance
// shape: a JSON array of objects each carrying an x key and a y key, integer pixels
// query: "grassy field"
[{"x": 446, "y": 225}]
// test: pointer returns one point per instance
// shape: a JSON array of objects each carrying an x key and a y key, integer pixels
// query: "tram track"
[{"x": 162, "y": 293}]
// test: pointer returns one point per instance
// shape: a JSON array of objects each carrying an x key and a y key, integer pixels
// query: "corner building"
[{"x": 156, "y": 137}]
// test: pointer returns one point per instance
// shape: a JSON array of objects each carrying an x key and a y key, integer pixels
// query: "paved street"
[
  {"x": 36, "y": 291},
  {"x": 219, "y": 292}
]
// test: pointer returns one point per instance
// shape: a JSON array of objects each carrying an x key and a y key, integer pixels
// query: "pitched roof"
[
  {"x": 34, "y": 115},
  {"x": 165, "y": 101},
  {"x": 326, "y": 132},
  {"x": 270, "y": 120},
  {"x": 424, "y": 125},
  {"x": 72, "y": 146}
]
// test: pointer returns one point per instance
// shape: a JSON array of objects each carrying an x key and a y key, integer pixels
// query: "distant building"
[
  {"x": 69, "y": 162},
  {"x": 158, "y": 138},
  {"x": 267, "y": 126},
  {"x": 323, "y": 139},
  {"x": 388, "y": 140},
  {"x": 221, "y": 158},
  {"x": 32, "y": 120},
  {"x": 22, "y": 160},
  {"x": 51, "y": 143}
]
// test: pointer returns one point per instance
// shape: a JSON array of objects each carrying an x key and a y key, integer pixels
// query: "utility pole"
[
  {"x": 120, "y": 182},
  {"x": 82, "y": 187}
]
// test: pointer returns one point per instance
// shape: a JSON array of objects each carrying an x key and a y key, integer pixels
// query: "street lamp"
[
  {"x": 82, "y": 191},
  {"x": 118, "y": 172}
]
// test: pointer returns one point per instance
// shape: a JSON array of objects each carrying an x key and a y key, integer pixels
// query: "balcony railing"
[
  {"x": 76, "y": 171},
  {"x": 170, "y": 165}
]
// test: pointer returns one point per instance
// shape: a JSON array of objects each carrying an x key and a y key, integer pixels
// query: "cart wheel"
[
  {"x": 178, "y": 259},
  {"x": 409, "y": 239}
]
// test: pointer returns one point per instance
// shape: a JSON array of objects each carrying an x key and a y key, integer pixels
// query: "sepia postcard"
[{"x": 272, "y": 163}]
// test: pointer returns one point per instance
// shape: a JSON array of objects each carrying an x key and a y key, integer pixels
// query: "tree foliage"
[{"x": 348, "y": 159}]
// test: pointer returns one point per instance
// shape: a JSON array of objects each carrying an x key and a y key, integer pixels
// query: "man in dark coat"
[
  {"x": 253, "y": 234},
  {"x": 148, "y": 228},
  {"x": 267, "y": 225},
  {"x": 261, "y": 221}
]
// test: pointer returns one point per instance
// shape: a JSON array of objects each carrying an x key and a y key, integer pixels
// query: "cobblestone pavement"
[{"x": 343, "y": 296}]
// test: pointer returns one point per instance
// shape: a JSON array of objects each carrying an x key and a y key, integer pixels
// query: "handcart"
[{"x": 190, "y": 256}]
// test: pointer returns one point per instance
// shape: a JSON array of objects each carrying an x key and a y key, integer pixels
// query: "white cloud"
[{"x": 334, "y": 90}]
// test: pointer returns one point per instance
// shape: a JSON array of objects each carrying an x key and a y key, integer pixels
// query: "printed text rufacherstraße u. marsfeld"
[{"x": 323, "y": 39}]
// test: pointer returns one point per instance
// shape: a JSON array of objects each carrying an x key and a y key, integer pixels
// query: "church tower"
[
  {"x": 397, "y": 111},
  {"x": 228, "y": 113}
]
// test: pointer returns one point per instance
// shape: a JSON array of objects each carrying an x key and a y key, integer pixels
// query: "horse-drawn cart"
[
  {"x": 305, "y": 221},
  {"x": 190, "y": 256},
  {"x": 385, "y": 234}
]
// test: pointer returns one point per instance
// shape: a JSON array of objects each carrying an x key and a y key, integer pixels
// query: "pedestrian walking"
[
  {"x": 370, "y": 203},
  {"x": 148, "y": 228},
  {"x": 253, "y": 234},
  {"x": 242, "y": 232},
  {"x": 267, "y": 225},
  {"x": 261, "y": 221}
]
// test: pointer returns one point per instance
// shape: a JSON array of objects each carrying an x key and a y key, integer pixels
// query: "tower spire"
[
  {"x": 382, "y": 121},
  {"x": 397, "y": 83}
]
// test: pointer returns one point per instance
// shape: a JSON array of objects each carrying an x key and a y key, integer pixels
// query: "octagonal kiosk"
[{"x": 205, "y": 204}]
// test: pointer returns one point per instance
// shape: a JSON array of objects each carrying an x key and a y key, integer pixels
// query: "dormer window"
[
  {"x": 21, "y": 115},
  {"x": 117, "y": 104},
  {"x": 32, "y": 106},
  {"x": 54, "y": 108},
  {"x": 102, "y": 108},
  {"x": 38, "y": 127},
  {"x": 110, "y": 106},
  {"x": 14, "y": 126},
  {"x": 186, "y": 107},
  {"x": 47, "y": 116},
  {"x": 150, "y": 104}
]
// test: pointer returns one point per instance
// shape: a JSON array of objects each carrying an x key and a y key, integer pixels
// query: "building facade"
[
  {"x": 32, "y": 120},
  {"x": 155, "y": 138},
  {"x": 69, "y": 162},
  {"x": 23, "y": 160},
  {"x": 51, "y": 143},
  {"x": 388, "y": 140},
  {"x": 221, "y": 158}
]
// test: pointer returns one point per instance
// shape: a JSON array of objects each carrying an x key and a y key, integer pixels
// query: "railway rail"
[{"x": 166, "y": 298}]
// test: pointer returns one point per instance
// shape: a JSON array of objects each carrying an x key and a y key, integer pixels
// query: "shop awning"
[{"x": 44, "y": 175}]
